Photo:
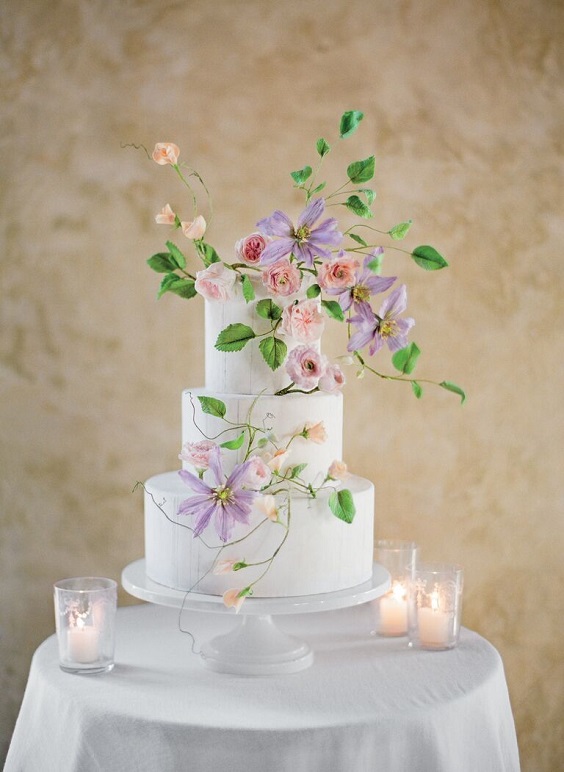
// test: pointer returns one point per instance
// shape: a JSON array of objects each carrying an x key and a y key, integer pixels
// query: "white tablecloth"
[{"x": 367, "y": 704}]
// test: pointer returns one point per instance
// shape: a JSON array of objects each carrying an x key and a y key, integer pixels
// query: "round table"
[{"x": 366, "y": 704}]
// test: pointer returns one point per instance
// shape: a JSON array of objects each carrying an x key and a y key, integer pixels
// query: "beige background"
[{"x": 464, "y": 109}]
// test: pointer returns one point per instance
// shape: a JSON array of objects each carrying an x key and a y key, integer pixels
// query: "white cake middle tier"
[{"x": 268, "y": 423}]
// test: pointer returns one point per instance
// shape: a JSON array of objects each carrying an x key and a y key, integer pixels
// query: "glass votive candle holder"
[
  {"x": 400, "y": 559},
  {"x": 435, "y": 606},
  {"x": 85, "y": 612}
]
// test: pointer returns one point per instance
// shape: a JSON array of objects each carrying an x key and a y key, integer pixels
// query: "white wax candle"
[
  {"x": 393, "y": 612},
  {"x": 83, "y": 644},
  {"x": 434, "y": 627}
]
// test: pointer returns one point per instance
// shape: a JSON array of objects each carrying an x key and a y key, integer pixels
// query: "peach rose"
[
  {"x": 194, "y": 230},
  {"x": 166, "y": 153},
  {"x": 267, "y": 504},
  {"x": 216, "y": 282},
  {"x": 224, "y": 567},
  {"x": 277, "y": 460},
  {"x": 234, "y": 599},
  {"x": 251, "y": 248},
  {"x": 303, "y": 321},
  {"x": 315, "y": 432},
  {"x": 338, "y": 470},
  {"x": 282, "y": 278},
  {"x": 166, "y": 216},
  {"x": 339, "y": 272}
]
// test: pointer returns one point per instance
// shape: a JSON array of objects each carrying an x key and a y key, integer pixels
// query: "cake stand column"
[{"x": 256, "y": 646}]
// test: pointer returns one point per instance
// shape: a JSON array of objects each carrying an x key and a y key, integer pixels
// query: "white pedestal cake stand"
[{"x": 255, "y": 646}]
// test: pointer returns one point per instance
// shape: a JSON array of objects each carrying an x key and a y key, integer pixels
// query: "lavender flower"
[
  {"x": 228, "y": 502},
  {"x": 303, "y": 241},
  {"x": 383, "y": 327},
  {"x": 366, "y": 284}
]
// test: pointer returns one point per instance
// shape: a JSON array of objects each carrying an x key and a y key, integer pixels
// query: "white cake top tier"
[
  {"x": 245, "y": 371},
  {"x": 275, "y": 423}
]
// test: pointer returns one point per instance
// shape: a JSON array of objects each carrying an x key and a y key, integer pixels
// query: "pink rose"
[
  {"x": 305, "y": 366},
  {"x": 303, "y": 321},
  {"x": 166, "y": 216},
  {"x": 216, "y": 282},
  {"x": 282, "y": 277},
  {"x": 339, "y": 272},
  {"x": 338, "y": 470},
  {"x": 166, "y": 153},
  {"x": 332, "y": 380},
  {"x": 251, "y": 248},
  {"x": 194, "y": 230},
  {"x": 198, "y": 453},
  {"x": 257, "y": 474}
]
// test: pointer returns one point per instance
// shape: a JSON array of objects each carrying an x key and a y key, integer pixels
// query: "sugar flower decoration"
[
  {"x": 303, "y": 241},
  {"x": 374, "y": 330},
  {"x": 227, "y": 503}
]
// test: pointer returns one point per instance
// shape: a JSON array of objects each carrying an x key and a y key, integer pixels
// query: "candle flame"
[
  {"x": 435, "y": 605},
  {"x": 398, "y": 591}
]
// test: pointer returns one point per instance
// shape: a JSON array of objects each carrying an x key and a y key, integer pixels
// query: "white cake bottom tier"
[
  {"x": 276, "y": 419},
  {"x": 321, "y": 553}
]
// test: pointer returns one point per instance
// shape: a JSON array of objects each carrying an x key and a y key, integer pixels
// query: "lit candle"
[
  {"x": 393, "y": 611},
  {"x": 434, "y": 624},
  {"x": 83, "y": 643}
]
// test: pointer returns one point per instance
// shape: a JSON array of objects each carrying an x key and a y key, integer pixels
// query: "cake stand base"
[{"x": 255, "y": 646}]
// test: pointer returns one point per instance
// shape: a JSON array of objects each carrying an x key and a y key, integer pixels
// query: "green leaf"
[
  {"x": 417, "y": 390},
  {"x": 369, "y": 193},
  {"x": 248, "y": 289},
  {"x": 322, "y": 147},
  {"x": 267, "y": 309},
  {"x": 162, "y": 262},
  {"x": 177, "y": 255},
  {"x": 209, "y": 255},
  {"x": 213, "y": 406},
  {"x": 234, "y": 337},
  {"x": 428, "y": 258},
  {"x": 454, "y": 388},
  {"x": 399, "y": 231},
  {"x": 273, "y": 351},
  {"x": 313, "y": 291},
  {"x": 358, "y": 239},
  {"x": 349, "y": 123},
  {"x": 301, "y": 175},
  {"x": 184, "y": 288},
  {"x": 173, "y": 283},
  {"x": 361, "y": 171},
  {"x": 295, "y": 471},
  {"x": 333, "y": 310},
  {"x": 318, "y": 189},
  {"x": 342, "y": 505},
  {"x": 358, "y": 207},
  {"x": 406, "y": 358},
  {"x": 234, "y": 444}
]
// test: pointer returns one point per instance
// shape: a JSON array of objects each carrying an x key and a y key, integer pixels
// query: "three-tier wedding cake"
[{"x": 264, "y": 504}]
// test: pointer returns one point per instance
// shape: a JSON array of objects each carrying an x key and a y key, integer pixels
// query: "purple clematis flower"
[
  {"x": 303, "y": 241},
  {"x": 383, "y": 327},
  {"x": 228, "y": 502},
  {"x": 367, "y": 283}
]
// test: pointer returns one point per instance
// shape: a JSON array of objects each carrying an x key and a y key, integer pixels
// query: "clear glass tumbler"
[
  {"x": 85, "y": 612},
  {"x": 400, "y": 559},
  {"x": 435, "y": 606}
]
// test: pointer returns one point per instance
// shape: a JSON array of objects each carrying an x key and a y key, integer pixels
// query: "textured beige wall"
[{"x": 464, "y": 107}]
